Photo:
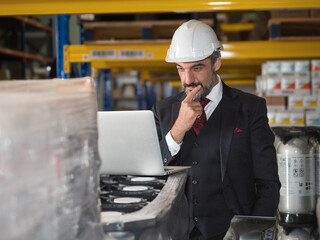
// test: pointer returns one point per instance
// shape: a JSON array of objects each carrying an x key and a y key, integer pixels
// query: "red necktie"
[{"x": 201, "y": 121}]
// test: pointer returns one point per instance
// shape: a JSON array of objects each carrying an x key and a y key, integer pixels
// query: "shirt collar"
[{"x": 216, "y": 91}]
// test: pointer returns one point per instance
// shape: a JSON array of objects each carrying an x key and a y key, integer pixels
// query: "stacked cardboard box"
[{"x": 292, "y": 92}]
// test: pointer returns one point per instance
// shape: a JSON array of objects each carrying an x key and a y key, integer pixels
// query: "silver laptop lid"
[{"x": 128, "y": 143}]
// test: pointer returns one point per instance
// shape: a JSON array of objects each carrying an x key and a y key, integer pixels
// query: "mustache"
[{"x": 192, "y": 85}]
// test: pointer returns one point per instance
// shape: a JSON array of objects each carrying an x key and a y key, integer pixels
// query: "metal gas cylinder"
[
  {"x": 295, "y": 234},
  {"x": 315, "y": 142},
  {"x": 297, "y": 176},
  {"x": 277, "y": 141},
  {"x": 119, "y": 236}
]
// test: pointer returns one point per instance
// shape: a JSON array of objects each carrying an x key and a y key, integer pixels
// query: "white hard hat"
[{"x": 193, "y": 41}]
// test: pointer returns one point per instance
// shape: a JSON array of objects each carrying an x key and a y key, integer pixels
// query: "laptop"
[{"x": 128, "y": 144}]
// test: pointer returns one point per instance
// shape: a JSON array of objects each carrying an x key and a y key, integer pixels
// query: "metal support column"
[
  {"x": 139, "y": 92},
  {"x": 168, "y": 90},
  {"x": 50, "y": 47},
  {"x": 62, "y": 38},
  {"x": 150, "y": 95},
  {"x": 107, "y": 88},
  {"x": 84, "y": 67},
  {"x": 23, "y": 49}
]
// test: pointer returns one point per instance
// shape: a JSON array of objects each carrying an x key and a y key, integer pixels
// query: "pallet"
[{"x": 294, "y": 28}]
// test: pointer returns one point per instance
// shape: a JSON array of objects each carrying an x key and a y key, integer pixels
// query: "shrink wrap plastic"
[{"x": 49, "y": 162}]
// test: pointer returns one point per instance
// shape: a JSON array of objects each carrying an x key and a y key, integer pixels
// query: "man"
[{"x": 232, "y": 158}]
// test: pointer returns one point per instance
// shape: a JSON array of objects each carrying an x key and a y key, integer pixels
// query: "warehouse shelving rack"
[
  {"x": 251, "y": 53},
  {"x": 22, "y": 53}
]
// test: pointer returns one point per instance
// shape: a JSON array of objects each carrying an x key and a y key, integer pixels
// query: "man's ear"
[{"x": 217, "y": 64}]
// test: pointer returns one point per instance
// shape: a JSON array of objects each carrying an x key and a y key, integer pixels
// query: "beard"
[{"x": 205, "y": 90}]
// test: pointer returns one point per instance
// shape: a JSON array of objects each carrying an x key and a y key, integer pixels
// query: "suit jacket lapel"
[{"x": 230, "y": 107}]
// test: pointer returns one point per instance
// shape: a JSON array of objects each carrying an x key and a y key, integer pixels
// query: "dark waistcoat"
[{"x": 207, "y": 207}]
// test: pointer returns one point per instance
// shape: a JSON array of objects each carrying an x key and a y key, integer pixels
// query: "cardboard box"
[
  {"x": 117, "y": 93},
  {"x": 303, "y": 83},
  {"x": 315, "y": 65},
  {"x": 312, "y": 118},
  {"x": 287, "y": 66},
  {"x": 302, "y": 66},
  {"x": 272, "y": 117},
  {"x": 292, "y": 13},
  {"x": 288, "y": 82},
  {"x": 297, "y": 118},
  {"x": 282, "y": 118},
  {"x": 264, "y": 68},
  {"x": 275, "y": 100},
  {"x": 295, "y": 102},
  {"x": 310, "y": 101},
  {"x": 259, "y": 86},
  {"x": 273, "y": 84},
  {"x": 315, "y": 83},
  {"x": 273, "y": 66}
]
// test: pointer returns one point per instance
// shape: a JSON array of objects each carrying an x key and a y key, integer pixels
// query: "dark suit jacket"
[{"x": 248, "y": 162}]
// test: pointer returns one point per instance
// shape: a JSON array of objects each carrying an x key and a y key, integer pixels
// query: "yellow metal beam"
[
  {"x": 248, "y": 72},
  {"x": 176, "y": 84},
  {"x": 152, "y": 55},
  {"x": 236, "y": 27},
  {"x": 42, "y": 7},
  {"x": 239, "y": 82},
  {"x": 271, "y": 50}
]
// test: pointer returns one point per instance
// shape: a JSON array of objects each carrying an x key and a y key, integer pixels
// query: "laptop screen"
[{"x": 128, "y": 143}]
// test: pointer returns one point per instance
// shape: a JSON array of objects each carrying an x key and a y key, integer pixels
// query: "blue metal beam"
[
  {"x": 139, "y": 92},
  {"x": 107, "y": 88},
  {"x": 150, "y": 94},
  {"x": 62, "y": 38},
  {"x": 84, "y": 67}
]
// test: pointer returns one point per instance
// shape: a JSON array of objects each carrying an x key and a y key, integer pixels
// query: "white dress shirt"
[{"x": 215, "y": 97}]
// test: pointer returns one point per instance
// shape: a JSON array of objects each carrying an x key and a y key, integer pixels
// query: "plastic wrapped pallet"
[{"x": 49, "y": 162}]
